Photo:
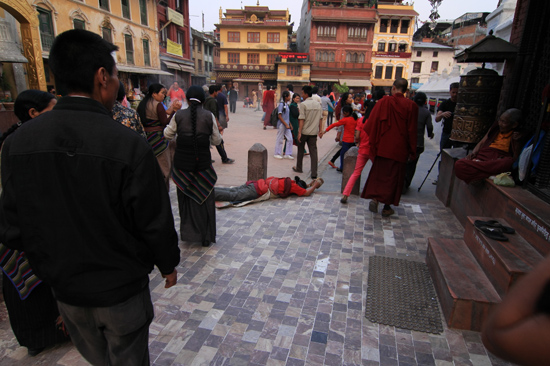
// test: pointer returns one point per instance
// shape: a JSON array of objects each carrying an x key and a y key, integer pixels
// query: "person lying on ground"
[
  {"x": 275, "y": 187},
  {"x": 496, "y": 151}
]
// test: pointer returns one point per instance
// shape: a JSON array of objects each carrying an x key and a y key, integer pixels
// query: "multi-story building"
[
  {"x": 339, "y": 38},
  {"x": 131, "y": 25},
  {"x": 468, "y": 29},
  {"x": 392, "y": 42},
  {"x": 250, "y": 41},
  {"x": 175, "y": 34},
  {"x": 202, "y": 53},
  {"x": 428, "y": 58}
]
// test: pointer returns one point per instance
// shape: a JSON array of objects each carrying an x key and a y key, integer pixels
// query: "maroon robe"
[
  {"x": 488, "y": 160},
  {"x": 391, "y": 128}
]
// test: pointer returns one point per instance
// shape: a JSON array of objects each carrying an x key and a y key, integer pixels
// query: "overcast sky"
[{"x": 449, "y": 9}]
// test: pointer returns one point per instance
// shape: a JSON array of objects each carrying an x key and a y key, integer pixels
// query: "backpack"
[{"x": 275, "y": 115}]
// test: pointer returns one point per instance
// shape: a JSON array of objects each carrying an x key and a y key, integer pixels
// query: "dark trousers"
[
  {"x": 233, "y": 106},
  {"x": 411, "y": 166},
  {"x": 114, "y": 335},
  {"x": 345, "y": 147},
  {"x": 311, "y": 141},
  {"x": 221, "y": 151},
  {"x": 245, "y": 192}
]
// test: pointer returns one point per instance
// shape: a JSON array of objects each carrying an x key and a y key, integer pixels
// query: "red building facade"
[
  {"x": 174, "y": 39},
  {"x": 339, "y": 40}
]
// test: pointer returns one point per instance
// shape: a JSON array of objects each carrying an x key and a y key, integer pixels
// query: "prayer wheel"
[{"x": 476, "y": 106}]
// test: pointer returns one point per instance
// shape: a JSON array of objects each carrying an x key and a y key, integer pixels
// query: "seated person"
[
  {"x": 496, "y": 152},
  {"x": 277, "y": 187}
]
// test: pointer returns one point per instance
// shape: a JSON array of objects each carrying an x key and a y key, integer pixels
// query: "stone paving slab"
[
  {"x": 285, "y": 285},
  {"x": 286, "y": 281}
]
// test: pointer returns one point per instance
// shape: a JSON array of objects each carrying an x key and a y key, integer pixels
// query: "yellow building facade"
[
  {"x": 250, "y": 42},
  {"x": 129, "y": 24},
  {"x": 392, "y": 43}
]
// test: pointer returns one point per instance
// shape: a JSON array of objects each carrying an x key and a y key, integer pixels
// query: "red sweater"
[{"x": 349, "y": 124}]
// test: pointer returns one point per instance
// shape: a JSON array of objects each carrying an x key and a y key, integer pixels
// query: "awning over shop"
[
  {"x": 327, "y": 80},
  {"x": 249, "y": 80},
  {"x": 394, "y": 11},
  {"x": 141, "y": 70},
  {"x": 178, "y": 66},
  {"x": 356, "y": 82},
  {"x": 382, "y": 82}
]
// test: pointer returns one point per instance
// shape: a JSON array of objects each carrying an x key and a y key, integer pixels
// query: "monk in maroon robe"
[
  {"x": 496, "y": 152},
  {"x": 392, "y": 134}
]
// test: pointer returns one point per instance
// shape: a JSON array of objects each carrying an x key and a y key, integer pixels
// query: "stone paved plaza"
[{"x": 286, "y": 282}]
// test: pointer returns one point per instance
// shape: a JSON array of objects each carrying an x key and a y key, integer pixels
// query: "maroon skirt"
[{"x": 385, "y": 181}]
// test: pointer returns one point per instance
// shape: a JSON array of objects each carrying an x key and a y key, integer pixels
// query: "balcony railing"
[
  {"x": 346, "y": 3},
  {"x": 392, "y": 54},
  {"x": 47, "y": 41},
  {"x": 342, "y": 65},
  {"x": 251, "y": 67}
]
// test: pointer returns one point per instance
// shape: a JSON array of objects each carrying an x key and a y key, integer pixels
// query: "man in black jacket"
[
  {"x": 211, "y": 104},
  {"x": 85, "y": 199}
]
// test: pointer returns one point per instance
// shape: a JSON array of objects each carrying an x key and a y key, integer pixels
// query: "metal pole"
[{"x": 429, "y": 171}]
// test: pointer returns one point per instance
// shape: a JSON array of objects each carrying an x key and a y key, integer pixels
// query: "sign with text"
[
  {"x": 392, "y": 54},
  {"x": 174, "y": 16},
  {"x": 174, "y": 48}
]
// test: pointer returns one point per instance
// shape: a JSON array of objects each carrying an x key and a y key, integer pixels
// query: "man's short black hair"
[
  {"x": 308, "y": 90},
  {"x": 315, "y": 89},
  {"x": 401, "y": 84},
  {"x": 325, "y": 93},
  {"x": 212, "y": 89},
  {"x": 75, "y": 57},
  {"x": 290, "y": 87},
  {"x": 454, "y": 86}
]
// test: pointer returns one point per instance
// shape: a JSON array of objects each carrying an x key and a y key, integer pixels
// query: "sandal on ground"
[
  {"x": 388, "y": 212},
  {"x": 332, "y": 164},
  {"x": 344, "y": 199},
  {"x": 492, "y": 233},
  {"x": 373, "y": 206},
  {"x": 495, "y": 224},
  {"x": 296, "y": 170}
]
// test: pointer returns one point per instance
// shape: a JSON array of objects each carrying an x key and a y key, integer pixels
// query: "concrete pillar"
[
  {"x": 349, "y": 166},
  {"x": 257, "y": 162}
]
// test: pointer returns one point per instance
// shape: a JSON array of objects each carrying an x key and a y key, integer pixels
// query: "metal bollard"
[
  {"x": 349, "y": 166},
  {"x": 257, "y": 162}
]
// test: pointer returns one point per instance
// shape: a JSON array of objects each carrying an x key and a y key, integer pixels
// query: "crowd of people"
[{"x": 76, "y": 260}]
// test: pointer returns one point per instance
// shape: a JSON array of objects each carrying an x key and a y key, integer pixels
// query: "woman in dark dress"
[
  {"x": 192, "y": 171},
  {"x": 32, "y": 309}
]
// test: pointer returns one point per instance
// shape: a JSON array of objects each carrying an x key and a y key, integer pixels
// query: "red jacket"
[{"x": 392, "y": 128}]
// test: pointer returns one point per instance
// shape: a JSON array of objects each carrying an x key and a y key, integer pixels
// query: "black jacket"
[{"x": 84, "y": 197}]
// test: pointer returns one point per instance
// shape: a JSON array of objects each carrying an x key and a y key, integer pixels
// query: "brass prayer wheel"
[{"x": 476, "y": 107}]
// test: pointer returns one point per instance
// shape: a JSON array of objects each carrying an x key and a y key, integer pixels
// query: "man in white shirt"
[{"x": 311, "y": 120}]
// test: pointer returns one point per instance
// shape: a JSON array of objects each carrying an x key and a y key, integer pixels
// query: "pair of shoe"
[
  {"x": 332, "y": 164},
  {"x": 387, "y": 212},
  {"x": 344, "y": 199},
  {"x": 228, "y": 161},
  {"x": 35, "y": 351},
  {"x": 494, "y": 229},
  {"x": 373, "y": 206},
  {"x": 289, "y": 157},
  {"x": 277, "y": 156},
  {"x": 299, "y": 171}
]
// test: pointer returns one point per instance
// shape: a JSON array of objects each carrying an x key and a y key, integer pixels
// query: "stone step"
[
  {"x": 465, "y": 293},
  {"x": 502, "y": 261}
]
